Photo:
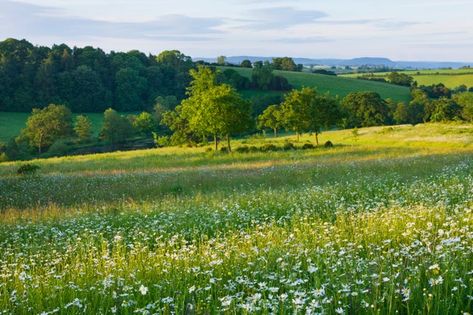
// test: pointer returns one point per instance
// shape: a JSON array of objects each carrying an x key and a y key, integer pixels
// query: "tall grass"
[{"x": 371, "y": 227}]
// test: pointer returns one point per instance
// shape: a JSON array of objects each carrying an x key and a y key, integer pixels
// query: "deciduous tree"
[{"x": 47, "y": 125}]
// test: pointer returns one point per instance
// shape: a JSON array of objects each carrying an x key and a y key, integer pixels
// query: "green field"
[
  {"x": 451, "y": 78},
  {"x": 12, "y": 123},
  {"x": 382, "y": 223},
  {"x": 335, "y": 85}
]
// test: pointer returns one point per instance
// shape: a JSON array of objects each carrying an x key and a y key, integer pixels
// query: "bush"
[
  {"x": 59, "y": 148},
  {"x": 3, "y": 157},
  {"x": 27, "y": 169},
  {"x": 308, "y": 146},
  {"x": 289, "y": 146},
  {"x": 328, "y": 144},
  {"x": 253, "y": 149},
  {"x": 160, "y": 142},
  {"x": 242, "y": 149},
  {"x": 224, "y": 150},
  {"x": 269, "y": 147}
]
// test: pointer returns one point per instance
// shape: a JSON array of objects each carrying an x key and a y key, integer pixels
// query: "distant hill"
[{"x": 356, "y": 62}]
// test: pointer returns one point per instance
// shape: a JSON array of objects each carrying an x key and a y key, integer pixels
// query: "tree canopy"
[
  {"x": 47, "y": 125},
  {"x": 87, "y": 79},
  {"x": 365, "y": 109}
]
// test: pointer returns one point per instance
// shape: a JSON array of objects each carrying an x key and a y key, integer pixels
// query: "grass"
[
  {"x": 11, "y": 123},
  {"x": 335, "y": 85},
  {"x": 380, "y": 224},
  {"x": 451, "y": 78}
]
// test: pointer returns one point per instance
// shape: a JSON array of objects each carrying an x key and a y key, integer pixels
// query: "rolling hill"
[
  {"x": 12, "y": 123},
  {"x": 451, "y": 78},
  {"x": 335, "y": 85}
]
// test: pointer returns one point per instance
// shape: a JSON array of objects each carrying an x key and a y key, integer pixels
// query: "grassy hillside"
[
  {"x": 340, "y": 86},
  {"x": 451, "y": 78},
  {"x": 12, "y": 123},
  {"x": 380, "y": 224}
]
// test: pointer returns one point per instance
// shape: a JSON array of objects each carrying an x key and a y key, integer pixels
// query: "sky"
[{"x": 426, "y": 30}]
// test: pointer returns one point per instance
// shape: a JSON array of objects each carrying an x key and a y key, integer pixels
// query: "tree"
[
  {"x": 246, "y": 64},
  {"x": 47, "y": 125},
  {"x": 116, "y": 129},
  {"x": 365, "y": 109},
  {"x": 83, "y": 91},
  {"x": 285, "y": 64},
  {"x": 164, "y": 104},
  {"x": 400, "y": 79},
  {"x": 130, "y": 89},
  {"x": 306, "y": 111},
  {"x": 465, "y": 100},
  {"x": 144, "y": 123},
  {"x": 179, "y": 125},
  {"x": 214, "y": 109},
  {"x": 418, "y": 106},
  {"x": 233, "y": 78},
  {"x": 225, "y": 113},
  {"x": 262, "y": 76},
  {"x": 401, "y": 114},
  {"x": 87, "y": 79},
  {"x": 271, "y": 118},
  {"x": 221, "y": 60},
  {"x": 83, "y": 128},
  {"x": 445, "y": 110},
  {"x": 325, "y": 113}
]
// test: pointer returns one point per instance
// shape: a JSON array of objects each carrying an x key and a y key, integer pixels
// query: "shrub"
[
  {"x": 160, "y": 142},
  {"x": 242, "y": 149},
  {"x": 27, "y": 169},
  {"x": 269, "y": 147},
  {"x": 328, "y": 144},
  {"x": 308, "y": 146},
  {"x": 59, "y": 148},
  {"x": 289, "y": 146},
  {"x": 253, "y": 149},
  {"x": 224, "y": 150}
]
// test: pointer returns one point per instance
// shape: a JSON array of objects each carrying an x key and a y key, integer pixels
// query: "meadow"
[
  {"x": 334, "y": 85},
  {"x": 11, "y": 123},
  {"x": 382, "y": 223},
  {"x": 451, "y": 78}
]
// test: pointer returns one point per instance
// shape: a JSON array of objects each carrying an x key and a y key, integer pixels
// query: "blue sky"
[{"x": 402, "y": 29}]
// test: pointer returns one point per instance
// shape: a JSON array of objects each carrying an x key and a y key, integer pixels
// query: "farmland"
[
  {"x": 451, "y": 78},
  {"x": 382, "y": 223},
  {"x": 336, "y": 86}
]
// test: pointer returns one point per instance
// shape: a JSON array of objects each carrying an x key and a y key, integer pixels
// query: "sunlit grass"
[{"x": 380, "y": 224}]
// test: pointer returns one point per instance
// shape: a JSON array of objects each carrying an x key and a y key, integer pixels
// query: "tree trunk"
[
  {"x": 228, "y": 144},
  {"x": 275, "y": 132},
  {"x": 216, "y": 142},
  {"x": 298, "y": 136},
  {"x": 317, "y": 138},
  {"x": 40, "y": 144}
]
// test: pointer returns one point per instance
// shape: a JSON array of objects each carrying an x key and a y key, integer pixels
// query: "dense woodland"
[{"x": 90, "y": 80}]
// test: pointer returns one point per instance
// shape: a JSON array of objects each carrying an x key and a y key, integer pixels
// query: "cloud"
[
  {"x": 302, "y": 40},
  {"x": 25, "y": 20},
  {"x": 282, "y": 17}
]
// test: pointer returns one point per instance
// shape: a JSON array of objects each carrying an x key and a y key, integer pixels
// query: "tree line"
[
  {"x": 213, "y": 110},
  {"x": 87, "y": 79}
]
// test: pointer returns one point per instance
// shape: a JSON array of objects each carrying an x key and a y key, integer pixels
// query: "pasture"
[
  {"x": 451, "y": 78},
  {"x": 334, "y": 85},
  {"x": 382, "y": 223},
  {"x": 11, "y": 123}
]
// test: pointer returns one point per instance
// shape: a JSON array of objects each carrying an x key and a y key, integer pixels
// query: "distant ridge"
[{"x": 356, "y": 62}]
